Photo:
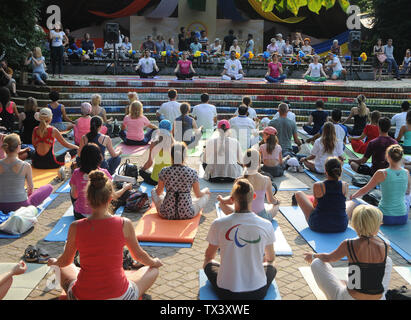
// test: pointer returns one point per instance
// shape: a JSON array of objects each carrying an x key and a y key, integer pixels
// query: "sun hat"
[
  {"x": 46, "y": 112},
  {"x": 223, "y": 122},
  {"x": 270, "y": 130}
]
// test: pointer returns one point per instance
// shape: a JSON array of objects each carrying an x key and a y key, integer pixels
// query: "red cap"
[{"x": 270, "y": 130}]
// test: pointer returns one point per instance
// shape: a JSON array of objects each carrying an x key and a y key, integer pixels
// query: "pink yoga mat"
[{"x": 126, "y": 150}]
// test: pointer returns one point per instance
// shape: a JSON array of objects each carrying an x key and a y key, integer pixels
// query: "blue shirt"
[{"x": 389, "y": 51}]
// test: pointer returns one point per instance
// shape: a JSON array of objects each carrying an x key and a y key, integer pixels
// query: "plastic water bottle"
[{"x": 67, "y": 160}]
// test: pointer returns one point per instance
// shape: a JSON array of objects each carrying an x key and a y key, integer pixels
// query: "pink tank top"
[
  {"x": 100, "y": 244},
  {"x": 258, "y": 202},
  {"x": 82, "y": 128}
]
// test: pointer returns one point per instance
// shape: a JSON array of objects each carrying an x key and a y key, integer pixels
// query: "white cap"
[{"x": 279, "y": 35}]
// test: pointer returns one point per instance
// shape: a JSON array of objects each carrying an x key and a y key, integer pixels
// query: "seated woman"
[
  {"x": 360, "y": 114},
  {"x": 132, "y": 97},
  {"x": 326, "y": 146},
  {"x": 43, "y": 141},
  {"x": 6, "y": 279},
  {"x": 103, "y": 142},
  {"x": 325, "y": 212},
  {"x": 395, "y": 183},
  {"x": 275, "y": 70},
  {"x": 184, "y": 69},
  {"x": 8, "y": 110},
  {"x": 132, "y": 129},
  {"x": 222, "y": 156},
  {"x": 100, "y": 240},
  {"x": 90, "y": 160},
  {"x": 370, "y": 132},
  {"x": 97, "y": 110},
  {"x": 315, "y": 70},
  {"x": 59, "y": 113},
  {"x": 82, "y": 126},
  {"x": 27, "y": 120},
  {"x": 185, "y": 128},
  {"x": 178, "y": 180},
  {"x": 367, "y": 255},
  {"x": 317, "y": 119},
  {"x": 271, "y": 153},
  {"x": 262, "y": 187},
  {"x": 159, "y": 153},
  {"x": 14, "y": 174},
  {"x": 405, "y": 132},
  {"x": 231, "y": 277}
]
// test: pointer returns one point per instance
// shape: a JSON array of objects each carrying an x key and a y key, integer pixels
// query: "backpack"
[
  {"x": 360, "y": 180},
  {"x": 128, "y": 169},
  {"x": 137, "y": 201},
  {"x": 373, "y": 197},
  {"x": 402, "y": 293}
]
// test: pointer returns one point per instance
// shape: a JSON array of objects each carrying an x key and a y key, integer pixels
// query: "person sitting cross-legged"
[
  {"x": 263, "y": 189},
  {"x": 275, "y": 70},
  {"x": 185, "y": 128},
  {"x": 100, "y": 240},
  {"x": 178, "y": 180},
  {"x": 368, "y": 261},
  {"x": 246, "y": 242},
  {"x": 395, "y": 186},
  {"x": 317, "y": 119},
  {"x": 325, "y": 212},
  {"x": 370, "y": 132},
  {"x": 271, "y": 153},
  {"x": 233, "y": 69},
  {"x": 315, "y": 70},
  {"x": 147, "y": 66},
  {"x": 184, "y": 69},
  {"x": 6, "y": 279}
]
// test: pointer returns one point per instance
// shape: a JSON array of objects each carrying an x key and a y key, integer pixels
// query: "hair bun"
[{"x": 97, "y": 179}]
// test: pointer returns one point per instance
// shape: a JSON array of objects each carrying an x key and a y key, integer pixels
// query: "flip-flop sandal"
[
  {"x": 43, "y": 256},
  {"x": 31, "y": 254}
]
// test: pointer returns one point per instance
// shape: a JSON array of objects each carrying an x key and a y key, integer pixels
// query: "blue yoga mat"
[
  {"x": 41, "y": 208},
  {"x": 166, "y": 244},
  {"x": 146, "y": 188},
  {"x": 313, "y": 176},
  {"x": 206, "y": 291},
  {"x": 65, "y": 188},
  {"x": 60, "y": 230},
  {"x": 320, "y": 242}
]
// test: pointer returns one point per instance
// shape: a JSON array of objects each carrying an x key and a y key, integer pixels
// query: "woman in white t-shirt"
[
  {"x": 132, "y": 129},
  {"x": 58, "y": 40},
  {"x": 325, "y": 147},
  {"x": 246, "y": 242},
  {"x": 315, "y": 70}
]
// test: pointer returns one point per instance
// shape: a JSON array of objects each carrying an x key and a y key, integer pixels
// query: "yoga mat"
[
  {"x": 320, "y": 177},
  {"x": 319, "y": 242},
  {"x": 281, "y": 246},
  {"x": 358, "y": 155},
  {"x": 404, "y": 272},
  {"x": 165, "y": 244},
  {"x": 340, "y": 273},
  {"x": 132, "y": 150},
  {"x": 25, "y": 283},
  {"x": 195, "y": 152},
  {"x": 146, "y": 188},
  {"x": 65, "y": 188},
  {"x": 399, "y": 237},
  {"x": 41, "y": 177},
  {"x": 41, "y": 209},
  {"x": 61, "y": 151},
  {"x": 206, "y": 291},
  {"x": 289, "y": 182},
  {"x": 60, "y": 230},
  {"x": 153, "y": 228}
]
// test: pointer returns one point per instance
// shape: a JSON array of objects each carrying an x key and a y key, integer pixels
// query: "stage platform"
[{"x": 385, "y": 96}]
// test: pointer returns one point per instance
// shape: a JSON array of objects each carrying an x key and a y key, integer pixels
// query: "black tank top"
[
  {"x": 359, "y": 122},
  {"x": 28, "y": 126},
  {"x": 371, "y": 274}
]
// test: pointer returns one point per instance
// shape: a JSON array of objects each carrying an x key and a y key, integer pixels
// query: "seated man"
[
  {"x": 286, "y": 130},
  {"x": 149, "y": 44},
  {"x": 250, "y": 112},
  {"x": 340, "y": 130},
  {"x": 336, "y": 66},
  {"x": 147, "y": 66},
  {"x": 290, "y": 114},
  {"x": 376, "y": 149},
  {"x": 253, "y": 249},
  {"x": 233, "y": 69},
  {"x": 244, "y": 128},
  {"x": 6, "y": 78},
  {"x": 205, "y": 114}
]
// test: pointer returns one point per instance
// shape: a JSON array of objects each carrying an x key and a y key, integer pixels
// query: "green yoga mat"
[
  {"x": 25, "y": 283},
  {"x": 358, "y": 155}
]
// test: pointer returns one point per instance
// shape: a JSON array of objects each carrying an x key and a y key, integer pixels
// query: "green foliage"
[
  {"x": 295, "y": 5},
  {"x": 18, "y": 33}
]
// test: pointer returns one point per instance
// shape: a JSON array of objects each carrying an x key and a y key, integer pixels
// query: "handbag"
[
  {"x": 402, "y": 293},
  {"x": 128, "y": 169},
  {"x": 382, "y": 58},
  {"x": 360, "y": 180},
  {"x": 373, "y": 197},
  {"x": 137, "y": 201}
]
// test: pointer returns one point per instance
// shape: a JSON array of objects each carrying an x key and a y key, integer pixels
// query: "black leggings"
[
  {"x": 57, "y": 58},
  {"x": 211, "y": 270},
  {"x": 77, "y": 216},
  {"x": 49, "y": 160},
  {"x": 181, "y": 76},
  {"x": 147, "y": 177}
]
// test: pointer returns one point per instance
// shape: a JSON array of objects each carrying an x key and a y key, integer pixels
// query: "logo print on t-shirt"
[{"x": 236, "y": 241}]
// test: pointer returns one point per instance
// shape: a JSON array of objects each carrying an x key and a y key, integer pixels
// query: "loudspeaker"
[
  {"x": 354, "y": 41},
  {"x": 111, "y": 32}
]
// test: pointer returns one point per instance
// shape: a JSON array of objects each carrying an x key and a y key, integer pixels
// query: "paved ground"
[{"x": 179, "y": 276}]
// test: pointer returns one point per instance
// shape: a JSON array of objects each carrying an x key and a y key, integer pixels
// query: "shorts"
[
  {"x": 132, "y": 293},
  {"x": 337, "y": 73},
  {"x": 60, "y": 126}
]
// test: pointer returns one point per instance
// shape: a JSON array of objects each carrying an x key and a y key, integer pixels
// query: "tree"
[
  {"x": 18, "y": 30},
  {"x": 295, "y": 5}
]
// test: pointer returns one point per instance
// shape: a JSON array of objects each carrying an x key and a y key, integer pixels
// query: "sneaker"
[{"x": 300, "y": 169}]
